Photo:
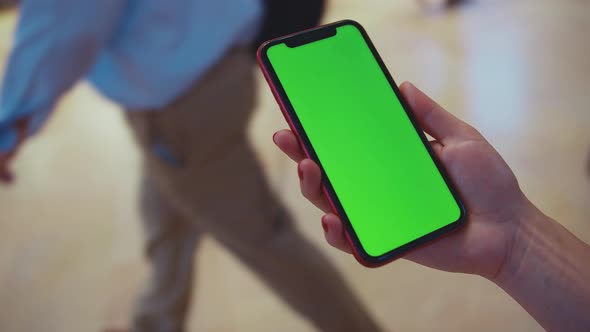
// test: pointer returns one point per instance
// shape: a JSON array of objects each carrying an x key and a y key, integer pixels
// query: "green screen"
[{"x": 381, "y": 172}]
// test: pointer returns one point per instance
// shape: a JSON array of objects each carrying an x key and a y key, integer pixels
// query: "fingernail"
[
  {"x": 299, "y": 171},
  {"x": 273, "y": 137},
  {"x": 324, "y": 224}
]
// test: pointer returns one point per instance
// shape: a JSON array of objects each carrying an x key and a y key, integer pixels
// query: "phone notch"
[{"x": 310, "y": 37}]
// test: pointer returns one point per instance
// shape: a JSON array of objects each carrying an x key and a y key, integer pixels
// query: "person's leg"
[
  {"x": 244, "y": 216},
  {"x": 170, "y": 246},
  {"x": 221, "y": 186}
]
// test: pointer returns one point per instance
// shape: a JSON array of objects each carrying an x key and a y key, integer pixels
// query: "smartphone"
[{"x": 378, "y": 169}]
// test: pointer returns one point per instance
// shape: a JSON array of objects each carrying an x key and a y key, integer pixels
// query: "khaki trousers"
[{"x": 202, "y": 176}]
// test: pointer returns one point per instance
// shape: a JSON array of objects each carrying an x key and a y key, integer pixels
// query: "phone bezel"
[{"x": 326, "y": 31}]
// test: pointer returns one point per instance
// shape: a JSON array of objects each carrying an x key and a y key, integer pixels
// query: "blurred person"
[
  {"x": 506, "y": 239},
  {"x": 183, "y": 70}
]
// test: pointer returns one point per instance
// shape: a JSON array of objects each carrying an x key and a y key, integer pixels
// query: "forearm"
[{"x": 548, "y": 273}]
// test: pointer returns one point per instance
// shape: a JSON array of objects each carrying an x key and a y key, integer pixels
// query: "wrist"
[
  {"x": 523, "y": 236},
  {"x": 546, "y": 272}
]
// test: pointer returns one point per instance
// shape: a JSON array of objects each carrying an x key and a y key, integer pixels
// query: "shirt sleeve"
[{"x": 56, "y": 43}]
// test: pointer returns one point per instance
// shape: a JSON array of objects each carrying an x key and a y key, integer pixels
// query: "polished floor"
[{"x": 70, "y": 242}]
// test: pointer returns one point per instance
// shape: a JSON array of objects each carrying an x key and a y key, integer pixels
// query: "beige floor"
[{"x": 70, "y": 257}]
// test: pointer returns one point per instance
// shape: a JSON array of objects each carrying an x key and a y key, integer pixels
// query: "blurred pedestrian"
[{"x": 183, "y": 71}]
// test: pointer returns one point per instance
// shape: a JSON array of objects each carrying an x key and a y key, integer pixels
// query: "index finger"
[{"x": 288, "y": 143}]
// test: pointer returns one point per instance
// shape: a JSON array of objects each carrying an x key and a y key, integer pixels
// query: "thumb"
[{"x": 434, "y": 119}]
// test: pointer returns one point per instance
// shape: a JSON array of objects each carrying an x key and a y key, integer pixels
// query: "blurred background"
[{"x": 70, "y": 236}]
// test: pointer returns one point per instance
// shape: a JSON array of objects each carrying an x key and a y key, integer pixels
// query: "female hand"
[{"x": 489, "y": 189}]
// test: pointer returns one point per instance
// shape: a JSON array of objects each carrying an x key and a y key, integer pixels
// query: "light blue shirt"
[{"x": 139, "y": 53}]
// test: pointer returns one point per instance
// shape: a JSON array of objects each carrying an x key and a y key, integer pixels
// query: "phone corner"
[
  {"x": 351, "y": 22},
  {"x": 370, "y": 263},
  {"x": 261, "y": 52},
  {"x": 462, "y": 219},
  {"x": 362, "y": 257}
]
